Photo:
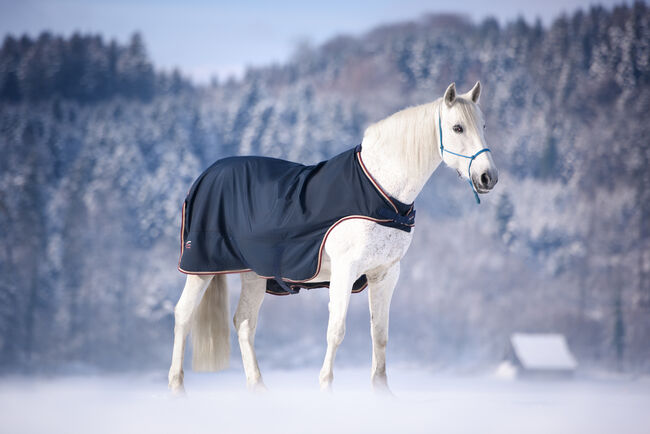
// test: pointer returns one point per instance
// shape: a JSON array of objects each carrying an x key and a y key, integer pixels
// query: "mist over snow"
[{"x": 423, "y": 403}]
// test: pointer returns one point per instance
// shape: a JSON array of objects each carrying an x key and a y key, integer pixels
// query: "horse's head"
[{"x": 461, "y": 138}]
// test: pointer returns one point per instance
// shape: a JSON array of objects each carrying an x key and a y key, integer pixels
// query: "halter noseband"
[{"x": 471, "y": 158}]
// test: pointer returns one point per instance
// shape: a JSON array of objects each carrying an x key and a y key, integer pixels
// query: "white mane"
[{"x": 409, "y": 136}]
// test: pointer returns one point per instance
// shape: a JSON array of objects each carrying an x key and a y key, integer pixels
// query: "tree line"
[{"x": 83, "y": 68}]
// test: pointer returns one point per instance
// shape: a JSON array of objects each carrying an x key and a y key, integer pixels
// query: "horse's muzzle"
[{"x": 485, "y": 181}]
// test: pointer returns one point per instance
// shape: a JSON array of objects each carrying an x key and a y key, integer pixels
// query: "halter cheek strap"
[{"x": 470, "y": 157}]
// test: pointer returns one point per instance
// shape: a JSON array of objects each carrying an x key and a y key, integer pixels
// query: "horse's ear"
[
  {"x": 475, "y": 93},
  {"x": 450, "y": 95}
]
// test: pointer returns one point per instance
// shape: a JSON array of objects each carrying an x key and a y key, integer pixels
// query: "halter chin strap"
[{"x": 470, "y": 157}]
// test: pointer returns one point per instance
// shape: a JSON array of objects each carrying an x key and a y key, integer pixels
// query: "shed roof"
[{"x": 543, "y": 351}]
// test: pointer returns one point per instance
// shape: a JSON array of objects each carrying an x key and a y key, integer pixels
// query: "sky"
[{"x": 219, "y": 38}]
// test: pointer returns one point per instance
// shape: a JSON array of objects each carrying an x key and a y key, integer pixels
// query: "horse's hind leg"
[
  {"x": 195, "y": 286},
  {"x": 253, "y": 289}
]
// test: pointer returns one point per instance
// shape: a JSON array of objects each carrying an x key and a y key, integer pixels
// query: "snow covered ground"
[{"x": 423, "y": 403}]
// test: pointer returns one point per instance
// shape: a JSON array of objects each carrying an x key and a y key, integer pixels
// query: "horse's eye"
[
  {"x": 457, "y": 129},
  {"x": 483, "y": 126}
]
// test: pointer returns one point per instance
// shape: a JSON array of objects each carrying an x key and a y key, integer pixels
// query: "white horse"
[{"x": 400, "y": 152}]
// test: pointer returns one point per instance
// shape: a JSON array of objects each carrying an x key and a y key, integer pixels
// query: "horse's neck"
[{"x": 393, "y": 146}]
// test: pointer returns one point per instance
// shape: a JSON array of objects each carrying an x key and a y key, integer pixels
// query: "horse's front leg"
[
  {"x": 380, "y": 292},
  {"x": 195, "y": 286},
  {"x": 253, "y": 289},
  {"x": 341, "y": 281}
]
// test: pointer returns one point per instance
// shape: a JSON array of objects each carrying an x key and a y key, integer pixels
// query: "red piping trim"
[
  {"x": 320, "y": 250},
  {"x": 375, "y": 183},
  {"x": 183, "y": 249},
  {"x": 322, "y": 244},
  {"x": 182, "y": 230}
]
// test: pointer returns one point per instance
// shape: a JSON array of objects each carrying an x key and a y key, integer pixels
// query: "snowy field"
[{"x": 423, "y": 403}]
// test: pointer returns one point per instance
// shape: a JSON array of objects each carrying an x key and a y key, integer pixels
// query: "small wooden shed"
[{"x": 536, "y": 355}]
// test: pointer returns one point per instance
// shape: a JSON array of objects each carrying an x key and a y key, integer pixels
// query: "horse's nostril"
[{"x": 485, "y": 179}]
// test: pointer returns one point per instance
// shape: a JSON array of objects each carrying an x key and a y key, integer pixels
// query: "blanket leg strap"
[{"x": 279, "y": 250}]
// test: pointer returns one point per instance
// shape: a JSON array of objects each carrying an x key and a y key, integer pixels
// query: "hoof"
[
  {"x": 380, "y": 387},
  {"x": 326, "y": 386},
  {"x": 325, "y": 382},
  {"x": 177, "y": 390},
  {"x": 176, "y": 384},
  {"x": 258, "y": 387}
]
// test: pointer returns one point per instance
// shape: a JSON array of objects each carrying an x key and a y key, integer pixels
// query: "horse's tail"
[{"x": 211, "y": 328}]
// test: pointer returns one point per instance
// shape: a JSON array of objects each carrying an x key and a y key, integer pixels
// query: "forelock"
[{"x": 469, "y": 112}]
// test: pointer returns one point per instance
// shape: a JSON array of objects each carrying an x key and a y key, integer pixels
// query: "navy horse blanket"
[{"x": 273, "y": 216}]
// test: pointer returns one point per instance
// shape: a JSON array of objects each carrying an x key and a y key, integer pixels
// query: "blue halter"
[{"x": 471, "y": 158}]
